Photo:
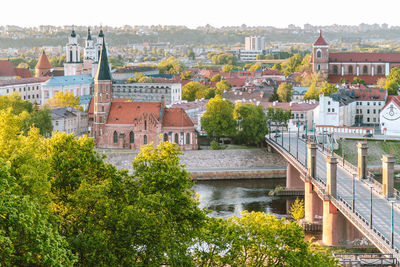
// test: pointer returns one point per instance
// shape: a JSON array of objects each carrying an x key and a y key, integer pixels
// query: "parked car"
[
  {"x": 368, "y": 135},
  {"x": 277, "y": 135}
]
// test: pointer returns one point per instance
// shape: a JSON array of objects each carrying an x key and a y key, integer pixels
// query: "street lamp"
[
  {"x": 343, "y": 150},
  {"x": 370, "y": 215},
  {"x": 323, "y": 140},
  {"x": 392, "y": 235},
  {"x": 354, "y": 192},
  {"x": 298, "y": 133},
  {"x": 282, "y": 132},
  {"x": 289, "y": 137}
]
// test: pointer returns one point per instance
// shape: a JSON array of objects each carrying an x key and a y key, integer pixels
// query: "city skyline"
[{"x": 192, "y": 15}]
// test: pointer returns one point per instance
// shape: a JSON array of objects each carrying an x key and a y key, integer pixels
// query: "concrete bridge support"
[
  {"x": 362, "y": 160},
  {"x": 312, "y": 203},
  {"x": 331, "y": 173},
  {"x": 387, "y": 175},
  {"x": 293, "y": 180}
]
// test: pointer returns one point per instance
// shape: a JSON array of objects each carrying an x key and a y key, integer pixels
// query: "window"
[
  {"x": 319, "y": 54},
  {"x": 56, "y": 123},
  {"x": 333, "y": 110},
  {"x": 102, "y": 108},
  {"x": 367, "y": 119},
  {"x": 365, "y": 70},
  {"x": 367, "y": 111},
  {"x": 329, "y": 110},
  {"x": 70, "y": 56},
  {"x": 131, "y": 137},
  {"x": 329, "y": 102},
  {"x": 187, "y": 138},
  {"x": 367, "y": 103},
  {"x": 302, "y": 116},
  {"x": 165, "y": 137},
  {"x": 374, "y": 111},
  {"x": 176, "y": 138},
  {"x": 318, "y": 67},
  {"x": 115, "y": 137},
  {"x": 374, "y": 103},
  {"x": 145, "y": 140},
  {"x": 145, "y": 125},
  {"x": 374, "y": 119},
  {"x": 356, "y": 111},
  {"x": 379, "y": 69},
  {"x": 351, "y": 69},
  {"x": 101, "y": 119},
  {"x": 335, "y": 69}
]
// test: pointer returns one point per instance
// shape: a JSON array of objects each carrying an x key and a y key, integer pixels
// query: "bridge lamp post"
[
  {"x": 343, "y": 150},
  {"x": 282, "y": 132},
  {"x": 354, "y": 193},
  {"x": 305, "y": 145},
  {"x": 323, "y": 140},
  {"x": 269, "y": 128},
  {"x": 289, "y": 138},
  {"x": 370, "y": 215},
  {"x": 315, "y": 129},
  {"x": 298, "y": 133},
  {"x": 392, "y": 234}
]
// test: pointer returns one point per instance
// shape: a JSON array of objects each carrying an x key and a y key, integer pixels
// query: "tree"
[
  {"x": 257, "y": 239},
  {"x": 191, "y": 89},
  {"x": 255, "y": 67},
  {"x": 223, "y": 86},
  {"x": 318, "y": 79},
  {"x": 357, "y": 80},
  {"x": 393, "y": 81},
  {"x": 252, "y": 123},
  {"x": 187, "y": 75},
  {"x": 229, "y": 68},
  {"x": 285, "y": 92},
  {"x": 292, "y": 65},
  {"x": 277, "y": 66},
  {"x": 62, "y": 99},
  {"x": 190, "y": 54},
  {"x": 305, "y": 65},
  {"x": 216, "y": 78},
  {"x": 40, "y": 119},
  {"x": 381, "y": 82},
  {"x": 218, "y": 119},
  {"x": 170, "y": 66},
  {"x": 343, "y": 81},
  {"x": 328, "y": 90},
  {"x": 297, "y": 210},
  {"x": 222, "y": 58},
  {"x": 312, "y": 93}
]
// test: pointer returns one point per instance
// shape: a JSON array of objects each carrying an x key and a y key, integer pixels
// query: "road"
[{"x": 381, "y": 207}]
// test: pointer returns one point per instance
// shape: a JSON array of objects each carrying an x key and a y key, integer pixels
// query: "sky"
[{"x": 278, "y": 13}]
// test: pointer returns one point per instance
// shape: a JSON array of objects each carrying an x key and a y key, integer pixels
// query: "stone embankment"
[{"x": 217, "y": 164}]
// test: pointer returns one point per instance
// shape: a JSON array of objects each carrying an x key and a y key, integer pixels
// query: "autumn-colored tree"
[
  {"x": 66, "y": 99},
  {"x": 285, "y": 92},
  {"x": 223, "y": 86}
]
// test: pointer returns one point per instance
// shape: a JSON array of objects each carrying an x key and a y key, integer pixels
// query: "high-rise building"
[{"x": 254, "y": 43}]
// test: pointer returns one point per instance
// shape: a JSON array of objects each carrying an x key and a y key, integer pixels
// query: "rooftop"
[
  {"x": 23, "y": 81},
  {"x": 69, "y": 80}
]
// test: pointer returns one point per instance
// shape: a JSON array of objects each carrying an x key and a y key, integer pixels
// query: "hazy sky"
[{"x": 279, "y": 13}]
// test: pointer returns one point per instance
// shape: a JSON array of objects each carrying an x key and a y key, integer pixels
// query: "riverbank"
[{"x": 216, "y": 164}]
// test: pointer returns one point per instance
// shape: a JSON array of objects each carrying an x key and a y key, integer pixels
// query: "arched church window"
[
  {"x": 115, "y": 137},
  {"x": 319, "y": 54},
  {"x": 365, "y": 70},
  {"x": 335, "y": 69},
  {"x": 145, "y": 125},
  {"x": 176, "y": 138},
  {"x": 379, "y": 69},
  {"x": 145, "y": 140},
  {"x": 187, "y": 138},
  {"x": 165, "y": 137},
  {"x": 70, "y": 55},
  {"x": 351, "y": 69}
]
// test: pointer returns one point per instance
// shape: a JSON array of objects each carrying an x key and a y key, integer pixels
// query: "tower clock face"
[{"x": 392, "y": 113}]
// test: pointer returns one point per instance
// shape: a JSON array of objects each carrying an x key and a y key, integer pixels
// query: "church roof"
[
  {"x": 320, "y": 40},
  {"x": 43, "y": 62},
  {"x": 7, "y": 68},
  {"x": 129, "y": 112},
  {"x": 176, "y": 117},
  {"x": 364, "y": 57},
  {"x": 103, "y": 71},
  {"x": 23, "y": 72},
  {"x": 392, "y": 98}
]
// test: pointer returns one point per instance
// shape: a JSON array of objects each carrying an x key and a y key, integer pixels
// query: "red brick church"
[
  {"x": 121, "y": 123},
  {"x": 347, "y": 65}
]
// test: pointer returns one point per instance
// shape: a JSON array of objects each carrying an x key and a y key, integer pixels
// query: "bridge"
[{"x": 350, "y": 201}]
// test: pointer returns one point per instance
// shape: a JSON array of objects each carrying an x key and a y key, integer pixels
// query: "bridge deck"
[{"x": 380, "y": 234}]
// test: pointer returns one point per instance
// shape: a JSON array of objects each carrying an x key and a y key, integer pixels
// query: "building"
[
  {"x": 69, "y": 120},
  {"x": 131, "y": 71},
  {"x": 43, "y": 66},
  {"x": 254, "y": 43},
  {"x": 9, "y": 72},
  {"x": 118, "y": 123},
  {"x": 390, "y": 116},
  {"x": 148, "y": 92},
  {"x": 29, "y": 88},
  {"x": 341, "y": 66},
  {"x": 299, "y": 92},
  {"x": 80, "y": 85}
]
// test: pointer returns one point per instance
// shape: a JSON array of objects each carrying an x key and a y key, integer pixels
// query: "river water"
[{"x": 226, "y": 198}]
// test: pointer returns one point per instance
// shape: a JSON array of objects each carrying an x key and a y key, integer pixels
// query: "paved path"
[{"x": 381, "y": 207}]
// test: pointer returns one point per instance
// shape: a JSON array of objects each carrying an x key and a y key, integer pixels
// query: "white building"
[
  {"x": 249, "y": 55},
  {"x": 390, "y": 117},
  {"x": 80, "y": 85},
  {"x": 69, "y": 120},
  {"x": 149, "y": 92},
  {"x": 254, "y": 43},
  {"x": 335, "y": 111},
  {"x": 29, "y": 88}
]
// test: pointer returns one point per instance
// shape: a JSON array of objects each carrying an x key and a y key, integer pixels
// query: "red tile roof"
[
  {"x": 23, "y": 72},
  {"x": 43, "y": 62},
  {"x": 320, "y": 40},
  {"x": 176, "y": 117},
  {"x": 7, "y": 69},
  {"x": 364, "y": 57},
  {"x": 236, "y": 82},
  {"x": 296, "y": 106},
  {"x": 367, "y": 94},
  {"x": 367, "y": 78},
  {"x": 127, "y": 112},
  {"x": 272, "y": 72},
  {"x": 392, "y": 98},
  {"x": 23, "y": 81}
]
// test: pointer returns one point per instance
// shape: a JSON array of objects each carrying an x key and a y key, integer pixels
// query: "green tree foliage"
[
  {"x": 141, "y": 78},
  {"x": 222, "y": 86},
  {"x": 292, "y": 65},
  {"x": 257, "y": 239},
  {"x": 222, "y": 58},
  {"x": 285, "y": 92},
  {"x": 343, "y": 81},
  {"x": 393, "y": 81},
  {"x": 252, "y": 123},
  {"x": 228, "y": 68},
  {"x": 297, "y": 210},
  {"x": 255, "y": 67},
  {"x": 357, "y": 80},
  {"x": 218, "y": 119},
  {"x": 57, "y": 61},
  {"x": 116, "y": 62},
  {"x": 191, "y": 55},
  {"x": 277, "y": 66},
  {"x": 66, "y": 99},
  {"x": 170, "y": 66},
  {"x": 216, "y": 78},
  {"x": 191, "y": 90},
  {"x": 328, "y": 90},
  {"x": 40, "y": 119},
  {"x": 278, "y": 116},
  {"x": 318, "y": 79},
  {"x": 305, "y": 65},
  {"x": 187, "y": 75},
  {"x": 312, "y": 93}
]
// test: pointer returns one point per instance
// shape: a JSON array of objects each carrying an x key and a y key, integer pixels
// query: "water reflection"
[{"x": 228, "y": 198}]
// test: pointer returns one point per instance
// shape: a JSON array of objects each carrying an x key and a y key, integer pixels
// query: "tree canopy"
[
  {"x": 285, "y": 92},
  {"x": 252, "y": 123},
  {"x": 66, "y": 99},
  {"x": 170, "y": 66}
]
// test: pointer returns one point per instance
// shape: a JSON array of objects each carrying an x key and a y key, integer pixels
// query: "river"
[{"x": 226, "y": 198}]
